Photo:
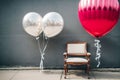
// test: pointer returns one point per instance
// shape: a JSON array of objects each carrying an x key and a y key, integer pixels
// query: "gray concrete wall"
[{"x": 17, "y": 48}]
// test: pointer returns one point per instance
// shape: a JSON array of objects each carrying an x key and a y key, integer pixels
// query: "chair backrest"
[{"x": 76, "y": 48}]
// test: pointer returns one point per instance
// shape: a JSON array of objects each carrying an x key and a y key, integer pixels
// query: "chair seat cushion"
[{"x": 76, "y": 60}]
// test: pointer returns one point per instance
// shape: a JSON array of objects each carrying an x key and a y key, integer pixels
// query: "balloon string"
[
  {"x": 41, "y": 62},
  {"x": 42, "y": 51},
  {"x": 98, "y": 53},
  {"x": 39, "y": 44},
  {"x": 42, "y": 55},
  {"x": 47, "y": 39}
]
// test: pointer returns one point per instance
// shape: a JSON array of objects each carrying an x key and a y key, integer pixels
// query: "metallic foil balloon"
[
  {"x": 98, "y": 17},
  {"x": 52, "y": 24},
  {"x": 32, "y": 23}
]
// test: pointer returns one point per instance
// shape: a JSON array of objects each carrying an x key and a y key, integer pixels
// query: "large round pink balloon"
[{"x": 98, "y": 17}]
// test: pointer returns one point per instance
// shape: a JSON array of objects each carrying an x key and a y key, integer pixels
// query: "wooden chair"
[{"x": 76, "y": 54}]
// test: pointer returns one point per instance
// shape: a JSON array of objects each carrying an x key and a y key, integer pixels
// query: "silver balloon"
[
  {"x": 32, "y": 23},
  {"x": 52, "y": 24}
]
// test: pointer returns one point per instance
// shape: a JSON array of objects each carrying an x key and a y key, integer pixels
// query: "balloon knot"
[{"x": 37, "y": 38}]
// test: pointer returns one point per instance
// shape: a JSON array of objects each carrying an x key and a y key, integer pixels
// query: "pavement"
[{"x": 57, "y": 75}]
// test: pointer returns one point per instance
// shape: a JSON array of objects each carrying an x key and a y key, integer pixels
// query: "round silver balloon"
[
  {"x": 32, "y": 23},
  {"x": 52, "y": 24}
]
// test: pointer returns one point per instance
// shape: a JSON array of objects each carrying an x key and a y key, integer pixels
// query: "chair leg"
[
  {"x": 88, "y": 69},
  {"x": 65, "y": 70}
]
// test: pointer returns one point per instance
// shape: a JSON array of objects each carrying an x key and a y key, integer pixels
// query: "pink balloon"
[{"x": 98, "y": 17}]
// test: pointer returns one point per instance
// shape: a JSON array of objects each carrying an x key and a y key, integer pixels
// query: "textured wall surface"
[{"x": 17, "y": 48}]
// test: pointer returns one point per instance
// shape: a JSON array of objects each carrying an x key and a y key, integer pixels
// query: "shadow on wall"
[{"x": 110, "y": 48}]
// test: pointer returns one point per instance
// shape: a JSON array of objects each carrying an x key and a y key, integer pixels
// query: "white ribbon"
[
  {"x": 42, "y": 51},
  {"x": 98, "y": 51},
  {"x": 41, "y": 62}
]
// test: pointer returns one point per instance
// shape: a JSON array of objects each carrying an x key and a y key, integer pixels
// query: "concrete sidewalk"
[{"x": 56, "y": 75}]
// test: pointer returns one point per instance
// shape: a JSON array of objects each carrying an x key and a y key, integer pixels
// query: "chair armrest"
[
  {"x": 88, "y": 54},
  {"x": 64, "y": 54}
]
